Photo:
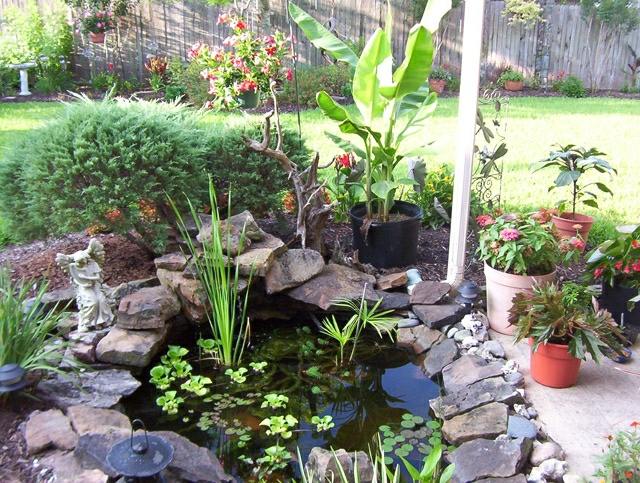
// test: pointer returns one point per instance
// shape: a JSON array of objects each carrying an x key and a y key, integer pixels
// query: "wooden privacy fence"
[{"x": 564, "y": 42}]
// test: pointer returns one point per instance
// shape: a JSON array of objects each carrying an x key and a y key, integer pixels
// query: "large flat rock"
[
  {"x": 49, "y": 429},
  {"x": 429, "y": 292},
  {"x": 335, "y": 282},
  {"x": 148, "y": 308},
  {"x": 420, "y": 338},
  {"x": 487, "y": 421},
  {"x": 485, "y": 458},
  {"x": 486, "y": 391},
  {"x": 176, "y": 262},
  {"x": 189, "y": 290},
  {"x": 87, "y": 419},
  {"x": 440, "y": 356},
  {"x": 293, "y": 268},
  {"x": 468, "y": 370},
  {"x": 65, "y": 468},
  {"x": 258, "y": 258},
  {"x": 437, "y": 316},
  {"x": 131, "y": 347}
]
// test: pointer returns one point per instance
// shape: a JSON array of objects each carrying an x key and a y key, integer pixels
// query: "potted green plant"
[
  {"x": 616, "y": 263},
  {"x": 511, "y": 80},
  {"x": 562, "y": 327},
  {"x": 439, "y": 79},
  {"x": 573, "y": 162},
  {"x": 96, "y": 23},
  {"x": 244, "y": 67},
  {"x": 391, "y": 107},
  {"x": 519, "y": 252}
]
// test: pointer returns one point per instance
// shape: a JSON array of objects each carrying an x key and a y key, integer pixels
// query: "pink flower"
[
  {"x": 229, "y": 41},
  {"x": 618, "y": 265},
  {"x": 635, "y": 244},
  {"x": 223, "y": 18},
  {"x": 509, "y": 234},
  {"x": 289, "y": 75},
  {"x": 99, "y": 25},
  {"x": 485, "y": 220},
  {"x": 597, "y": 273},
  {"x": 99, "y": 14},
  {"x": 238, "y": 63},
  {"x": 194, "y": 51},
  {"x": 636, "y": 266},
  {"x": 577, "y": 243},
  {"x": 247, "y": 85}
]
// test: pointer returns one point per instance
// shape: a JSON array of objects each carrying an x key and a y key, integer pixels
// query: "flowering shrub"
[
  {"x": 245, "y": 64},
  {"x": 617, "y": 261},
  {"x": 97, "y": 21},
  {"x": 521, "y": 244},
  {"x": 436, "y": 197},
  {"x": 621, "y": 461},
  {"x": 157, "y": 68},
  {"x": 345, "y": 186}
]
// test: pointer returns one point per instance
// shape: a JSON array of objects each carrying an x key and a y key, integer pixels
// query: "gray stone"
[
  {"x": 394, "y": 300},
  {"x": 545, "y": 451},
  {"x": 102, "y": 389},
  {"x": 441, "y": 355},
  {"x": 257, "y": 260},
  {"x": 131, "y": 347},
  {"x": 148, "y": 308},
  {"x": 553, "y": 469},
  {"x": 468, "y": 370},
  {"x": 176, "y": 262},
  {"x": 392, "y": 280},
  {"x": 79, "y": 351},
  {"x": 515, "y": 379},
  {"x": 469, "y": 342},
  {"x": 49, "y": 429},
  {"x": 520, "y": 427},
  {"x": 192, "y": 462},
  {"x": 66, "y": 469},
  {"x": 233, "y": 243},
  {"x": 293, "y": 268},
  {"x": 493, "y": 348},
  {"x": 483, "y": 392},
  {"x": 90, "y": 337},
  {"x": 425, "y": 338},
  {"x": 520, "y": 478},
  {"x": 190, "y": 292},
  {"x": 407, "y": 323},
  {"x": 92, "y": 448},
  {"x": 429, "y": 292},
  {"x": 487, "y": 421},
  {"x": 118, "y": 293},
  {"x": 68, "y": 322},
  {"x": 244, "y": 222},
  {"x": 459, "y": 335},
  {"x": 87, "y": 419},
  {"x": 334, "y": 283},
  {"x": 59, "y": 299},
  {"x": 323, "y": 465},
  {"x": 485, "y": 458},
  {"x": 436, "y": 316}
]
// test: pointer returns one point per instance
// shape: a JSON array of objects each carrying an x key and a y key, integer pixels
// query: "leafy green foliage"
[
  {"x": 573, "y": 162},
  {"x": 621, "y": 459},
  {"x": 108, "y": 162},
  {"x": 324, "y": 423},
  {"x": 619, "y": 14},
  {"x": 527, "y": 12},
  {"x": 280, "y": 426},
  {"x": 238, "y": 375},
  {"x": 243, "y": 172},
  {"x": 509, "y": 75},
  {"x": 25, "y": 330},
  {"x": 436, "y": 197},
  {"x": 554, "y": 314},
  {"x": 275, "y": 401},
  {"x": 335, "y": 79},
  {"x": 571, "y": 87}
]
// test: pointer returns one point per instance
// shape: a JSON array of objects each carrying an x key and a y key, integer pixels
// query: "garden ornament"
[
  {"x": 413, "y": 279},
  {"x": 12, "y": 378},
  {"x": 84, "y": 269}
]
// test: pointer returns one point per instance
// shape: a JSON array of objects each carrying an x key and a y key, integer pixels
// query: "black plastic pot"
[
  {"x": 392, "y": 244},
  {"x": 615, "y": 300}
]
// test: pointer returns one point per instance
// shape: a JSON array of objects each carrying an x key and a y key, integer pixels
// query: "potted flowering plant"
[
  {"x": 573, "y": 162},
  {"x": 616, "y": 263},
  {"x": 511, "y": 80},
  {"x": 345, "y": 186},
  {"x": 96, "y": 24},
  {"x": 562, "y": 326},
  {"x": 439, "y": 79},
  {"x": 244, "y": 67},
  {"x": 391, "y": 108},
  {"x": 518, "y": 253}
]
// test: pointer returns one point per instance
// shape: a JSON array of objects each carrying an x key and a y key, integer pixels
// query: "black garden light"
[
  {"x": 141, "y": 457},
  {"x": 12, "y": 378},
  {"x": 468, "y": 292}
]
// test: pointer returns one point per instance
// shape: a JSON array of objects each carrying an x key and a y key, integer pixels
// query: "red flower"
[
  {"x": 485, "y": 220},
  {"x": 271, "y": 51},
  {"x": 636, "y": 266},
  {"x": 247, "y": 85},
  {"x": 635, "y": 244},
  {"x": 577, "y": 243},
  {"x": 628, "y": 474},
  {"x": 238, "y": 24},
  {"x": 344, "y": 160},
  {"x": 635, "y": 424},
  {"x": 110, "y": 66},
  {"x": 597, "y": 273},
  {"x": 289, "y": 75},
  {"x": 618, "y": 266}
]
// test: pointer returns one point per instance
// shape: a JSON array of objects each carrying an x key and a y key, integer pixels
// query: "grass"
[{"x": 534, "y": 124}]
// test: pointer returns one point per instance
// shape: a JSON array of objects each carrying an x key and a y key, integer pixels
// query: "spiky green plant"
[
  {"x": 25, "y": 330},
  {"x": 220, "y": 278}
]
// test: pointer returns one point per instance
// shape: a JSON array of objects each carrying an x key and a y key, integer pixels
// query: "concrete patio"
[{"x": 605, "y": 400}]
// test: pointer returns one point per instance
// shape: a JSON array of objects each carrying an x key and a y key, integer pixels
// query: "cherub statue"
[{"x": 84, "y": 269}]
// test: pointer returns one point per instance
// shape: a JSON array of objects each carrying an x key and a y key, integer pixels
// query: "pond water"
[{"x": 381, "y": 392}]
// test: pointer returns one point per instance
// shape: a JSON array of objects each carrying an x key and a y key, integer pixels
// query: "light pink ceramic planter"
[{"x": 501, "y": 288}]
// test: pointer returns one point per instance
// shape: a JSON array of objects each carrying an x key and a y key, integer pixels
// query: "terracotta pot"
[
  {"x": 513, "y": 86},
  {"x": 552, "y": 365},
  {"x": 501, "y": 288},
  {"x": 96, "y": 37},
  {"x": 437, "y": 85},
  {"x": 566, "y": 222}
]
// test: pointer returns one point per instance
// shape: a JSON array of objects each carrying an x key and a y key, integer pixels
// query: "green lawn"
[{"x": 533, "y": 125}]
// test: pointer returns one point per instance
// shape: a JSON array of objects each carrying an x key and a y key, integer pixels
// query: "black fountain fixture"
[
  {"x": 468, "y": 292},
  {"x": 141, "y": 457},
  {"x": 12, "y": 378}
]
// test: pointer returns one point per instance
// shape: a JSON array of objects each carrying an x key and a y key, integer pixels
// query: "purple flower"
[{"x": 509, "y": 234}]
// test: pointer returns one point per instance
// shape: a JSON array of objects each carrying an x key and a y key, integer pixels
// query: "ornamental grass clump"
[
  {"x": 522, "y": 244},
  {"x": 565, "y": 316}
]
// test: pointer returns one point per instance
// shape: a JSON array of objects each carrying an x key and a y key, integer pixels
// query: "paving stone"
[
  {"x": 485, "y": 458},
  {"x": 49, "y": 429},
  {"x": 176, "y": 262},
  {"x": 437, "y": 316},
  {"x": 441, "y": 355},
  {"x": 148, "y": 308},
  {"x": 483, "y": 392},
  {"x": 519, "y": 427},
  {"x": 391, "y": 281},
  {"x": 487, "y": 421},
  {"x": 131, "y": 347},
  {"x": 467, "y": 370},
  {"x": 429, "y": 292},
  {"x": 293, "y": 268}
]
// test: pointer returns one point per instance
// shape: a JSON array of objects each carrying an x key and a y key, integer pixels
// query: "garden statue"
[{"x": 84, "y": 269}]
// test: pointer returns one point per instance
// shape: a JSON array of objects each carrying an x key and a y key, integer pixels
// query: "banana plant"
[{"x": 392, "y": 106}]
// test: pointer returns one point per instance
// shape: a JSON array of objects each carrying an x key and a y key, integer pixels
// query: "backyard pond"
[{"x": 289, "y": 394}]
